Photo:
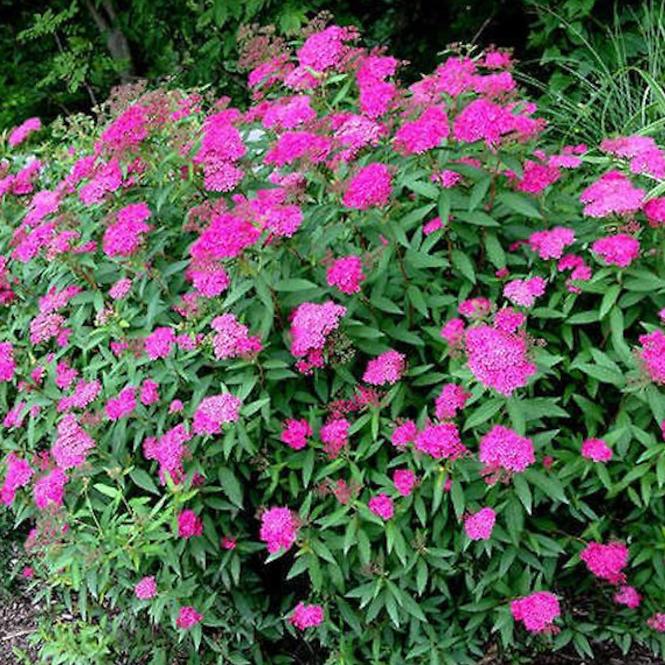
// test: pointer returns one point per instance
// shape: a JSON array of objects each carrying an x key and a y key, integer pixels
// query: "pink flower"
[
  {"x": 278, "y": 529},
  {"x": 169, "y": 452},
  {"x": 159, "y": 343},
  {"x": 451, "y": 400},
  {"x": 441, "y": 441},
  {"x": 72, "y": 445},
  {"x": 628, "y": 596},
  {"x": 657, "y": 622},
  {"x": 596, "y": 450},
  {"x": 50, "y": 489},
  {"x": 122, "y": 405},
  {"x": 404, "y": 434},
  {"x": 306, "y": 616},
  {"x": 618, "y": 250},
  {"x": 346, "y": 274},
  {"x": 424, "y": 133},
  {"x": 524, "y": 291},
  {"x": 550, "y": 244},
  {"x": 453, "y": 332},
  {"x": 232, "y": 338},
  {"x": 325, "y": 49},
  {"x": 28, "y": 572},
  {"x": 149, "y": 392},
  {"x": 654, "y": 209},
  {"x": 125, "y": 235},
  {"x": 475, "y": 308},
  {"x": 502, "y": 448},
  {"x": 311, "y": 324},
  {"x": 537, "y": 611},
  {"x": 404, "y": 481},
  {"x": 215, "y": 411},
  {"x": 611, "y": 193},
  {"x": 7, "y": 364},
  {"x": 295, "y": 433},
  {"x": 370, "y": 187},
  {"x": 228, "y": 542},
  {"x": 146, "y": 588},
  {"x": 498, "y": 359},
  {"x": 21, "y": 133},
  {"x": 120, "y": 289},
  {"x": 652, "y": 355},
  {"x": 187, "y": 617},
  {"x": 189, "y": 524},
  {"x": 18, "y": 475},
  {"x": 606, "y": 561},
  {"x": 335, "y": 435},
  {"x": 382, "y": 505},
  {"x": 479, "y": 525},
  {"x": 386, "y": 368}
]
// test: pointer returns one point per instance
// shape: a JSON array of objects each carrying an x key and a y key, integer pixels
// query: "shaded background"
[{"x": 65, "y": 55}]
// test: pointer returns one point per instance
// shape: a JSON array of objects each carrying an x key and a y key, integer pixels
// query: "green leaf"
[
  {"x": 495, "y": 251},
  {"x": 608, "y": 300},
  {"x": 457, "y": 496},
  {"x": 463, "y": 263},
  {"x": 520, "y": 204},
  {"x": 550, "y": 485},
  {"x": 143, "y": 480},
  {"x": 294, "y": 284},
  {"x": 230, "y": 485}
]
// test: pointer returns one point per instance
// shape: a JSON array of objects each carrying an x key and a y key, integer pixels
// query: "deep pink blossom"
[
  {"x": 189, "y": 524},
  {"x": 479, "y": 525},
  {"x": 404, "y": 481},
  {"x": 451, "y": 400},
  {"x": 617, "y": 250},
  {"x": 72, "y": 444},
  {"x": 17, "y": 475},
  {"x": 50, "y": 489},
  {"x": 537, "y": 611},
  {"x": 278, "y": 529},
  {"x": 382, "y": 505},
  {"x": 306, "y": 616},
  {"x": 215, "y": 411},
  {"x": 504, "y": 449},
  {"x": 346, "y": 274},
  {"x": 187, "y": 618},
  {"x": 628, "y": 596},
  {"x": 596, "y": 450},
  {"x": 146, "y": 588},
  {"x": 370, "y": 187},
  {"x": 606, "y": 561},
  {"x": 386, "y": 368},
  {"x": 295, "y": 433},
  {"x": 441, "y": 441}
]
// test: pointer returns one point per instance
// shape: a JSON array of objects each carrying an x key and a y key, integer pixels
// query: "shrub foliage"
[{"x": 360, "y": 373}]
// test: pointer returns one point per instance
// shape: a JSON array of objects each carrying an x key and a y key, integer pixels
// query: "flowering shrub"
[{"x": 364, "y": 370}]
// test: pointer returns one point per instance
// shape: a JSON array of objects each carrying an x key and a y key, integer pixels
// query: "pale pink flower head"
[
  {"x": 498, "y": 359},
  {"x": 451, "y": 400},
  {"x": 120, "y": 289},
  {"x": 386, "y": 368},
  {"x": 189, "y": 524},
  {"x": 382, "y": 505},
  {"x": 50, "y": 489},
  {"x": 370, "y": 187},
  {"x": 441, "y": 441},
  {"x": 475, "y": 308},
  {"x": 537, "y": 611},
  {"x": 72, "y": 444},
  {"x": 606, "y": 561},
  {"x": 596, "y": 450},
  {"x": 215, "y": 411},
  {"x": 479, "y": 526},
  {"x": 232, "y": 338},
  {"x": 509, "y": 320},
  {"x": 306, "y": 616},
  {"x": 146, "y": 588},
  {"x": 187, "y": 617},
  {"x": 617, "y": 250},
  {"x": 524, "y": 291},
  {"x": 453, "y": 333},
  {"x": 295, "y": 433},
  {"x": 503, "y": 449},
  {"x": 311, "y": 324},
  {"x": 404, "y": 481},
  {"x": 346, "y": 274},
  {"x": 279, "y": 529},
  {"x": 404, "y": 434},
  {"x": 551, "y": 244},
  {"x": 657, "y": 622},
  {"x": 628, "y": 596},
  {"x": 612, "y": 193}
]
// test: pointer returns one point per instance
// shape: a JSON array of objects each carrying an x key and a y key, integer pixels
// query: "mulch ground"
[{"x": 17, "y": 622}]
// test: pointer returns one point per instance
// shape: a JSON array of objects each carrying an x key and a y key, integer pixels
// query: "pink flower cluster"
[
  {"x": 215, "y": 411},
  {"x": 295, "y": 433},
  {"x": 606, "y": 561},
  {"x": 232, "y": 338},
  {"x": 306, "y": 616},
  {"x": 125, "y": 235},
  {"x": 386, "y": 368},
  {"x": 596, "y": 450},
  {"x": 346, "y": 274},
  {"x": 279, "y": 529},
  {"x": 479, "y": 526},
  {"x": 72, "y": 445},
  {"x": 537, "y": 611},
  {"x": 503, "y": 449}
]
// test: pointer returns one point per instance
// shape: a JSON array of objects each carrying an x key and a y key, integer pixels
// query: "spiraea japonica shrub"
[{"x": 360, "y": 373}]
